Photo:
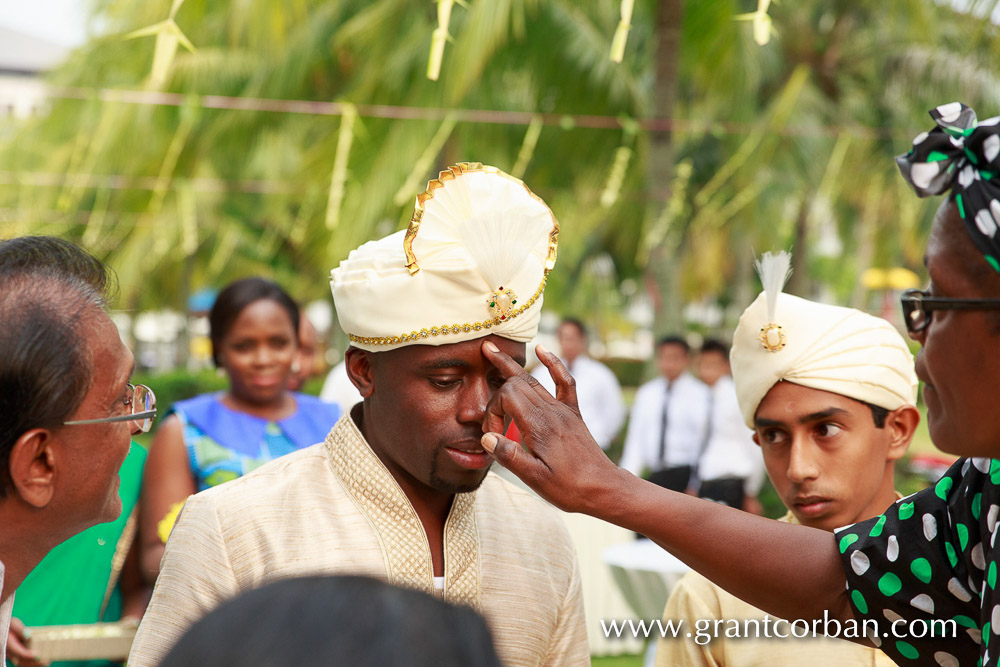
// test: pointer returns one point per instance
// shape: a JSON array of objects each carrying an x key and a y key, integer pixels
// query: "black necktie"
[
  {"x": 663, "y": 433},
  {"x": 708, "y": 425}
]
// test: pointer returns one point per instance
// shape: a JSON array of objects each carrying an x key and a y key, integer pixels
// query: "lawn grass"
[{"x": 617, "y": 661}]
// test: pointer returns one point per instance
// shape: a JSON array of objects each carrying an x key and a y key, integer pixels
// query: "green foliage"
[
  {"x": 617, "y": 661},
  {"x": 630, "y": 373},
  {"x": 178, "y": 385},
  {"x": 185, "y": 195}
]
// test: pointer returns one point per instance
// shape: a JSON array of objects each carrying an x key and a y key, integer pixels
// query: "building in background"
[{"x": 23, "y": 59}]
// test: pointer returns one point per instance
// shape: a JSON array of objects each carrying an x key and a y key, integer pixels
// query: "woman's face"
[
  {"x": 959, "y": 362},
  {"x": 257, "y": 352}
]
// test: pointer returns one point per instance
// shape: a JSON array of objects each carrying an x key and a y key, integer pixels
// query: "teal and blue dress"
[{"x": 223, "y": 444}]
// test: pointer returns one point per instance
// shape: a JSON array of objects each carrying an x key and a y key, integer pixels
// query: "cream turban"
[
  {"x": 473, "y": 262},
  {"x": 840, "y": 350}
]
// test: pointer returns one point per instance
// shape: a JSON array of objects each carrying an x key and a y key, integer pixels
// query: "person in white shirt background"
[
  {"x": 669, "y": 423},
  {"x": 601, "y": 404},
  {"x": 338, "y": 388},
  {"x": 731, "y": 468}
]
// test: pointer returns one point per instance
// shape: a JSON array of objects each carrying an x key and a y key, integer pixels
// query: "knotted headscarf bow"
[{"x": 963, "y": 156}]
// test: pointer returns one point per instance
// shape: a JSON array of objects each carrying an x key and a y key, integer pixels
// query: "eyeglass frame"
[
  {"x": 137, "y": 417},
  {"x": 913, "y": 300}
]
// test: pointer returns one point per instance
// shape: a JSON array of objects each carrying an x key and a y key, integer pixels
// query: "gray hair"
[{"x": 49, "y": 292}]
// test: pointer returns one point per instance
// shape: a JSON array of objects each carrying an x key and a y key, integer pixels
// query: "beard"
[{"x": 443, "y": 485}]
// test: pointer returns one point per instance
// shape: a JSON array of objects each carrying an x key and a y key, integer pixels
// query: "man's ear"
[
  {"x": 359, "y": 370},
  {"x": 901, "y": 424},
  {"x": 33, "y": 467}
]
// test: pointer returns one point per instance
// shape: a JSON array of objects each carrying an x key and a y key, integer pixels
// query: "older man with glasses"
[{"x": 67, "y": 409}]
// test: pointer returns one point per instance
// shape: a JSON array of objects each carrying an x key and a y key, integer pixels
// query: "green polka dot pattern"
[
  {"x": 921, "y": 569},
  {"x": 932, "y": 556}
]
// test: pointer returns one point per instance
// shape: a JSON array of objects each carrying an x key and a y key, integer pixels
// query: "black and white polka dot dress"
[{"x": 931, "y": 556}]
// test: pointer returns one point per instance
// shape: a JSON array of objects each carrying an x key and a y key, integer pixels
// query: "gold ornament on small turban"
[
  {"x": 773, "y": 269},
  {"x": 772, "y": 337}
]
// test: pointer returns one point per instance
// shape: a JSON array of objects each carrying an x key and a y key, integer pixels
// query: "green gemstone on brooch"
[{"x": 501, "y": 302}]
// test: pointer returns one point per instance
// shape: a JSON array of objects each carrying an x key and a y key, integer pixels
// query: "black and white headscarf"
[{"x": 961, "y": 155}]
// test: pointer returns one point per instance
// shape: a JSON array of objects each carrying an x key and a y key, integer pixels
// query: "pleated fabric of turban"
[
  {"x": 840, "y": 350},
  {"x": 961, "y": 155},
  {"x": 472, "y": 262}
]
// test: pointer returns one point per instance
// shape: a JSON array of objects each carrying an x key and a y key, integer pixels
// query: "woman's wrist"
[{"x": 608, "y": 496}]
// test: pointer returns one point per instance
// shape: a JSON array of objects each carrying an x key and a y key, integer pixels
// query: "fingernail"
[
  {"x": 490, "y": 346},
  {"x": 540, "y": 349},
  {"x": 489, "y": 441}
]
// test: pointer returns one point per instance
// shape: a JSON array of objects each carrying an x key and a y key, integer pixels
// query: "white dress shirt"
[
  {"x": 731, "y": 451},
  {"x": 338, "y": 388},
  {"x": 599, "y": 394},
  {"x": 687, "y": 423}
]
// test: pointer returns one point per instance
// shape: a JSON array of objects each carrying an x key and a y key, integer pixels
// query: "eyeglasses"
[
  {"x": 918, "y": 307},
  {"x": 142, "y": 405}
]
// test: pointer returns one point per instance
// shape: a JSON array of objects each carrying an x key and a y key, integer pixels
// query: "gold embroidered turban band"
[{"x": 472, "y": 262}]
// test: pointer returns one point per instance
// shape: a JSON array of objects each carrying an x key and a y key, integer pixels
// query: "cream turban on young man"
[
  {"x": 840, "y": 350},
  {"x": 472, "y": 262}
]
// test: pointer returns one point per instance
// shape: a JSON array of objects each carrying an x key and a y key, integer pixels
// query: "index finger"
[
  {"x": 510, "y": 369},
  {"x": 514, "y": 401},
  {"x": 504, "y": 362},
  {"x": 565, "y": 384}
]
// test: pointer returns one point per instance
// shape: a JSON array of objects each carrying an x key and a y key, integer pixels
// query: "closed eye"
[{"x": 444, "y": 383}]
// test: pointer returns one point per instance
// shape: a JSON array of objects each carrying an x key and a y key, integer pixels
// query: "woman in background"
[{"x": 214, "y": 438}]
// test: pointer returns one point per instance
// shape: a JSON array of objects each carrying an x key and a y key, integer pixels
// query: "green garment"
[{"x": 69, "y": 585}]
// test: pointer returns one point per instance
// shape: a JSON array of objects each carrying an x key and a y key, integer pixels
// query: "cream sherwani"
[
  {"x": 334, "y": 508},
  {"x": 695, "y": 599}
]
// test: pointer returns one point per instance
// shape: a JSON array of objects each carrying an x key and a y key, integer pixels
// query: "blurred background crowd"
[{"x": 191, "y": 143}]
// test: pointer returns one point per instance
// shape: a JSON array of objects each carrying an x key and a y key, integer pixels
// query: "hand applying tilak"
[{"x": 560, "y": 459}]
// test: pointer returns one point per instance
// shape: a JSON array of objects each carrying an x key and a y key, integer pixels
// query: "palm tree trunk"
[
  {"x": 664, "y": 271},
  {"x": 798, "y": 284}
]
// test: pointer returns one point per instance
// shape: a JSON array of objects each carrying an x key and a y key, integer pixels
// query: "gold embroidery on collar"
[
  {"x": 461, "y": 553},
  {"x": 404, "y": 543}
]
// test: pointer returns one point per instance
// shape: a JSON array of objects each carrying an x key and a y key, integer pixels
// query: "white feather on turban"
[
  {"x": 473, "y": 262},
  {"x": 840, "y": 350}
]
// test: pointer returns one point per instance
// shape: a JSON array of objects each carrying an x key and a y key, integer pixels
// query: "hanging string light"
[
  {"x": 621, "y": 33},
  {"x": 344, "y": 139},
  {"x": 763, "y": 26},
  {"x": 527, "y": 147},
  {"x": 168, "y": 37},
  {"x": 98, "y": 213},
  {"x": 187, "y": 209},
  {"x": 623, "y": 156},
  {"x": 440, "y": 37}
]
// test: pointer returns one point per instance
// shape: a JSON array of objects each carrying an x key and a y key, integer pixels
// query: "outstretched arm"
[{"x": 786, "y": 570}]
